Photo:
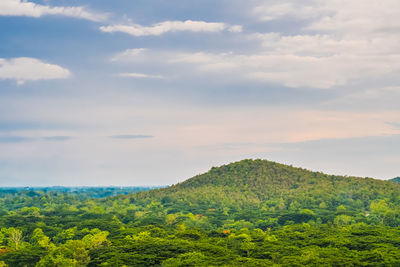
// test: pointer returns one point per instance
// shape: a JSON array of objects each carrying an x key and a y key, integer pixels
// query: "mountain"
[{"x": 253, "y": 189}]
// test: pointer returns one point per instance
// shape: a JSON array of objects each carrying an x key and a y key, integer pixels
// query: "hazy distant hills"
[{"x": 83, "y": 192}]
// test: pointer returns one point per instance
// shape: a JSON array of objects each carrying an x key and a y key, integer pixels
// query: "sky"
[{"x": 152, "y": 92}]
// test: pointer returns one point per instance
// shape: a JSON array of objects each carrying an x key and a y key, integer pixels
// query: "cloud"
[
  {"x": 324, "y": 60},
  {"x": 353, "y": 19},
  {"x": 30, "y": 69},
  {"x": 298, "y": 69},
  {"x": 337, "y": 44},
  {"x": 10, "y": 125},
  {"x": 396, "y": 125},
  {"x": 140, "y": 75},
  {"x": 14, "y": 139},
  {"x": 56, "y": 138},
  {"x": 357, "y": 17},
  {"x": 129, "y": 136},
  {"x": 22, "y": 139},
  {"x": 129, "y": 54},
  {"x": 30, "y": 9},
  {"x": 235, "y": 28},
  {"x": 270, "y": 10},
  {"x": 170, "y": 26},
  {"x": 369, "y": 98}
]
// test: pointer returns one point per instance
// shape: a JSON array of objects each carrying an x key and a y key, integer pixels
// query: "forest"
[{"x": 247, "y": 213}]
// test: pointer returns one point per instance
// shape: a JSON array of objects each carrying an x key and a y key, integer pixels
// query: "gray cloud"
[
  {"x": 129, "y": 136},
  {"x": 394, "y": 124},
  {"x": 8, "y": 125},
  {"x": 14, "y": 139},
  {"x": 56, "y": 138},
  {"x": 21, "y": 139}
]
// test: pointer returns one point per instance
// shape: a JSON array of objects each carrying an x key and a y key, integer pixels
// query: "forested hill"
[
  {"x": 264, "y": 176},
  {"x": 272, "y": 187}
]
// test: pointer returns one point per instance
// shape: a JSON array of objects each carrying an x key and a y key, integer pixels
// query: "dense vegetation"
[
  {"x": 396, "y": 180},
  {"x": 249, "y": 213}
]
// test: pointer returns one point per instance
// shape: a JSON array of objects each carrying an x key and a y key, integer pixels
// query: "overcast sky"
[{"x": 151, "y": 92}]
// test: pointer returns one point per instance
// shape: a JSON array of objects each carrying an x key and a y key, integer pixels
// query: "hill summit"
[
  {"x": 263, "y": 175},
  {"x": 262, "y": 185}
]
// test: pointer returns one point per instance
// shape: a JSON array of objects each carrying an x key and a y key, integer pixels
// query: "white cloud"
[
  {"x": 356, "y": 17},
  {"x": 269, "y": 10},
  {"x": 170, "y": 26},
  {"x": 340, "y": 43},
  {"x": 30, "y": 69},
  {"x": 235, "y": 28},
  {"x": 129, "y": 54},
  {"x": 289, "y": 70},
  {"x": 30, "y": 9},
  {"x": 288, "y": 65},
  {"x": 360, "y": 18},
  {"x": 140, "y": 75}
]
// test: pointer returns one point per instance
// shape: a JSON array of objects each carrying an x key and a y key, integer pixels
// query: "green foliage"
[
  {"x": 396, "y": 180},
  {"x": 249, "y": 213},
  {"x": 72, "y": 253},
  {"x": 187, "y": 259},
  {"x": 40, "y": 239},
  {"x": 14, "y": 238},
  {"x": 95, "y": 239}
]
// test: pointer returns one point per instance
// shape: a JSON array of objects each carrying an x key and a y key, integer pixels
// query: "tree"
[
  {"x": 342, "y": 219},
  {"x": 39, "y": 238},
  {"x": 14, "y": 237},
  {"x": 73, "y": 253},
  {"x": 95, "y": 239},
  {"x": 379, "y": 208},
  {"x": 186, "y": 259}
]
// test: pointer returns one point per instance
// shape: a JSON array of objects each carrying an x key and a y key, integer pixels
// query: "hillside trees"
[{"x": 249, "y": 213}]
